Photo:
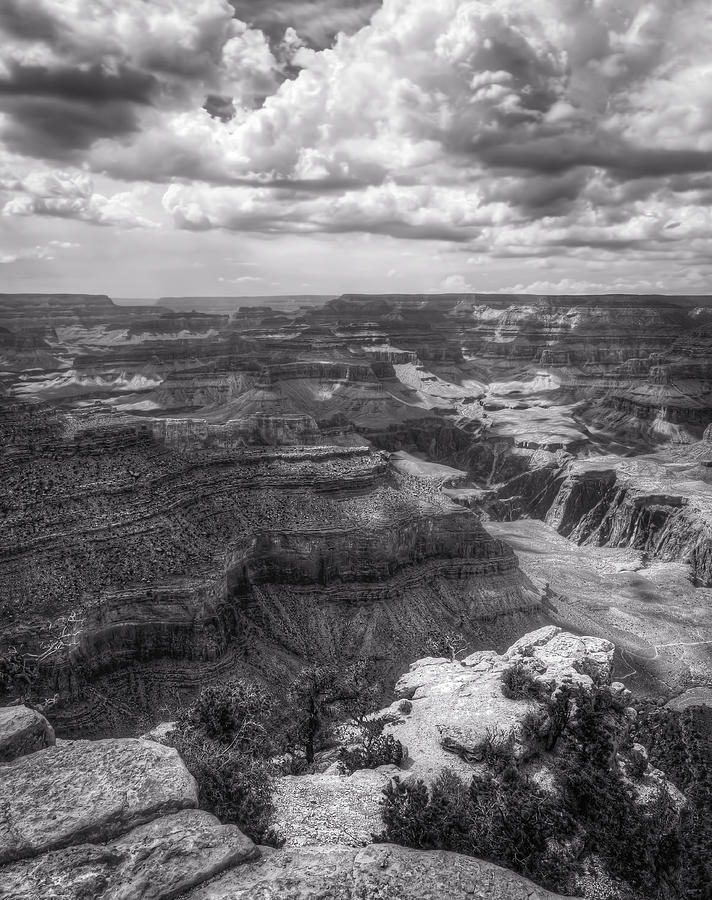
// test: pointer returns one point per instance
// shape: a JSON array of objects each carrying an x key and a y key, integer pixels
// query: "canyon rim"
[{"x": 355, "y": 450}]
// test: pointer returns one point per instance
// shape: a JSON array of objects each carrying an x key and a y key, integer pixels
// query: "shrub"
[
  {"x": 519, "y": 683},
  {"x": 226, "y": 739},
  {"x": 405, "y": 706},
  {"x": 374, "y": 749},
  {"x": 446, "y": 644},
  {"x": 238, "y": 713},
  {"x": 588, "y": 830},
  {"x": 680, "y": 743},
  {"x": 385, "y": 750},
  {"x": 234, "y": 786},
  {"x": 510, "y": 820},
  {"x": 497, "y": 749}
]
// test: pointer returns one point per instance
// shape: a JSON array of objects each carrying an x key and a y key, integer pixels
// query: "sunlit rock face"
[{"x": 456, "y": 704}]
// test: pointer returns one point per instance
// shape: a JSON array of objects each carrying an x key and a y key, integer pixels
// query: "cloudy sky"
[{"x": 152, "y": 147}]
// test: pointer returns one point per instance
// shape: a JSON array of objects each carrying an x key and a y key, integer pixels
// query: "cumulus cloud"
[
  {"x": 68, "y": 195},
  {"x": 317, "y": 21},
  {"x": 416, "y": 211},
  {"x": 456, "y": 284},
  {"x": 521, "y": 125},
  {"x": 47, "y": 252},
  {"x": 519, "y": 129},
  {"x": 76, "y": 71}
]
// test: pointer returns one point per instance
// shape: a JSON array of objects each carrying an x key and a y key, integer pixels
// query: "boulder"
[
  {"x": 22, "y": 731},
  {"x": 456, "y": 704},
  {"x": 154, "y": 861},
  {"x": 378, "y": 871},
  {"x": 564, "y": 656},
  {"x": 88, "y": 791}
]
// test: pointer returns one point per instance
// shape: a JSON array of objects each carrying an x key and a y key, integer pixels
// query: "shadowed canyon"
[{"x": 203, "y": 488}]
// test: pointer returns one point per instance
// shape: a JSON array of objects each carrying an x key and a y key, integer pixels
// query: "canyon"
[{"x": 207, "y": 487}]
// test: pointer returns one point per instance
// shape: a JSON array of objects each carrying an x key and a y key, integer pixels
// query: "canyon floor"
[{"x": 200, "y": 487}]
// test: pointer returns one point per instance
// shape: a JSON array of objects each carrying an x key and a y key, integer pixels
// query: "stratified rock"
[
  {"x": 379, "y": 871},
  {"x": 154, "y": 861},
  {"x": 331, "y": 809},
  {"x": 456, "y": 704},
  {"x": 88, "y": 791},
  {"x": 22, "y": 731}
]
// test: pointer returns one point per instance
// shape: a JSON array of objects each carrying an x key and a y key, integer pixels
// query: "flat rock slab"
[
  {"x": 154, "y": 861},
  {"x": 88, "y": 791},
  {"x": 378, "y": 872},
  {"x": 331, "y": 809},
  {"x": 22, "y": 731}
]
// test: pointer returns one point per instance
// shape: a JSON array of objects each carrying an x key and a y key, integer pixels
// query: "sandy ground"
[{"x": 661, "y": 623}]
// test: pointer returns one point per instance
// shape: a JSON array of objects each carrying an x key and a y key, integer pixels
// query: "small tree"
[
  {"x": 374, "y": 748},
  {"x": 320, "y": 696},
  {"x": 446, "y": 643}
]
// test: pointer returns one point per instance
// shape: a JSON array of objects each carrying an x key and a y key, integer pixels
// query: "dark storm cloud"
[
  {"x": 58, "y": 129},
  {"x": 557, "y": 154},
  {"x": 219, "y": 107},
  {"x": 540, "y": 194},
  {"x": 26, "y": 20},
  {"x": 92, "y": 85},
  {"x": 53, "y": 112},
  {"x": 317, "y": 21}
]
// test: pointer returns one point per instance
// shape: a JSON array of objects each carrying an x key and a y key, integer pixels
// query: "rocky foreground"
[{"x": 118, "y": 818}]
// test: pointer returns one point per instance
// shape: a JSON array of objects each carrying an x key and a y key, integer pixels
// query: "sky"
[{"x": 242, "y": 147}]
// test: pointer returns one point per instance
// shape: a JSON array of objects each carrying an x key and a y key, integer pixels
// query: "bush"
[
  {"x": 406, "y": 707},
  {"x": 497, "y": 749},
  {"x": 375, "y": 748},
  {"x": 447, "y": 644},
  {"x": 236, "y": 787},
  {"x": 226, "y": 739},
  {"x": 238, "y": 713},
  {"x": 589, "y": 829},
  {"x": 519, "y": 683},
  {"x": 510, "y": 821},
  {"x": 680, "y": 743}
]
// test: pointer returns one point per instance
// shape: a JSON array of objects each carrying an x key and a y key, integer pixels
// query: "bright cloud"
[
  {"x": 68, "y": 195},
  {"x": 522, "y": 131}
]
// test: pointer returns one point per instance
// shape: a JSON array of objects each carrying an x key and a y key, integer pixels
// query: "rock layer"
[
  {"x": 384, "y": 870},
  {"x": 22, "y": 731},
  {"x": 154, "y": 861},
  {"x": 82, "y": 791}
]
